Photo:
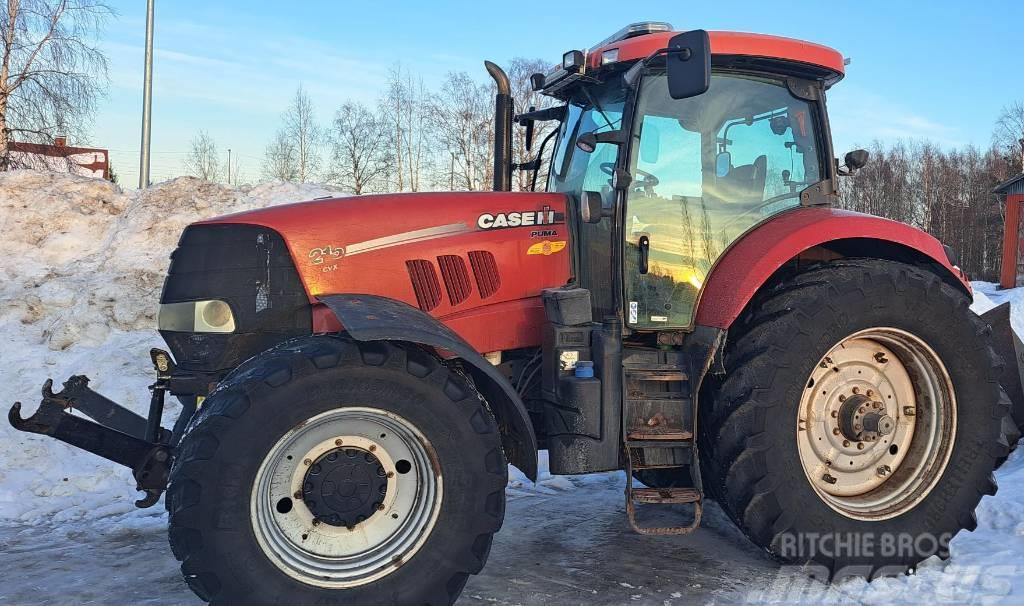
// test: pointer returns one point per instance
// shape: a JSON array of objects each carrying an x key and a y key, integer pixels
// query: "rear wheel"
[
  {"x": 330, "y": 471},
  {"x": 860, "y": 418}
]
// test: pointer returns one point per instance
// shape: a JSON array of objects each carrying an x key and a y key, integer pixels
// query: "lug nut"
[
  {"x": 842, "y": 398},
  {"x": 909, "y": 411},
  {"x": 297, "y": 495},
  {"x": 828, "y": 479},
  {"x": 846, "y": 443},
  {"x": 338, "y": 442},
  {"x": 391, "y": 474},
  {"x": 869, "y": 393},
  {"x": 307, "y": 462},
  {"x": 372, "y": 448},
  {"x": 884, "y": 470},
  {"x": 856, "y": 390},
  {"x": 835, "y": 413},
  {"x": 860, "y": 445},
  {"x": 835, "y": 431}
]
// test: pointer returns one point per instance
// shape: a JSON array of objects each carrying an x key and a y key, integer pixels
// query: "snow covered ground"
[{"x": 81, "y": 267}]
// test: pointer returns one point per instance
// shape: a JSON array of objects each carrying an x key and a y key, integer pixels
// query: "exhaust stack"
[{"x": 502, "y": 128}]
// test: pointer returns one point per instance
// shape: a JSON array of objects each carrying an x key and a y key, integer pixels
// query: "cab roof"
[{"x": 734, "y": 44}]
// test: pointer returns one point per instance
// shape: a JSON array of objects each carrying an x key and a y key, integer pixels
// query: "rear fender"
[
  {"x": 752, "y": 261},
  {"x": 375, "y": 318}
]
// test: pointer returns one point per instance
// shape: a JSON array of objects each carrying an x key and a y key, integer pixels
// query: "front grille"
[{"x": 249, "y": 267}]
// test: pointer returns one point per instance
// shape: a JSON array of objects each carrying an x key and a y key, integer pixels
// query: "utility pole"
[
  {"x": 147, "y": 99},
  {"x": 229, "y": 166}
]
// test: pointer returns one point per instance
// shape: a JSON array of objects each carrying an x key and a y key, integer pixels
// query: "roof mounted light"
[
  {"x": 572, "y": 61},
  {"x": 633, "y": 30}
]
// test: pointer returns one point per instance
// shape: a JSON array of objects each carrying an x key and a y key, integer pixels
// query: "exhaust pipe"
[{"x": 502, "y": 128}]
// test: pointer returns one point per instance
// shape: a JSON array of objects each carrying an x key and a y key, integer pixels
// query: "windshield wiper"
[{"x": 597, "y": 106}]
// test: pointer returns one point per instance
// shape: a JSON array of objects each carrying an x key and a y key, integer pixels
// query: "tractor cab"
[{"x": 676, "y": 144}]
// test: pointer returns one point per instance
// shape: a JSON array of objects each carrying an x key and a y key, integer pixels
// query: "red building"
[
  {"x": 1012, "y": 273},
  {"x": 86, "y": 161}
]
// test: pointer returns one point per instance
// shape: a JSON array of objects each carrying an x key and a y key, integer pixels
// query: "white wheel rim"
[
  {"x": 892, "y": 375},
  {"x": 334, "y": 556}
]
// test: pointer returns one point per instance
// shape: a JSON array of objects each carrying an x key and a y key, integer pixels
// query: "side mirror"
[
  {"x": 856, "y": 160},
  {"x": 723, "y": 164},
  {"x": 587, "y": 142},
  {"x": 591, "y": 207},
  {"x": 688, "y": 64}
]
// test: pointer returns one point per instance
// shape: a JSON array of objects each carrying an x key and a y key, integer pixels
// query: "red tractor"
[{"x": 681, "y": 301}]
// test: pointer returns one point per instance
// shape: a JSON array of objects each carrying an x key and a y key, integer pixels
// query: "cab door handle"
[{"x": 645, "y": 252}]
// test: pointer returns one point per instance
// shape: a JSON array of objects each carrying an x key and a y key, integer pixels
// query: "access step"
[
  {"x": 654, "y": 372},
  {"x": 666, "y": 496}
]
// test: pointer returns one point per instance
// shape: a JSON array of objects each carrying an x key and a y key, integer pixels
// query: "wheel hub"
[
  {"x": 861, "y": 419},
  {"x": 344, "y": 487}
]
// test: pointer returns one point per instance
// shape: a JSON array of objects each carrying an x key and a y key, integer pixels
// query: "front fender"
[
  {"x": 375, "y": 318},
  {"x": 750, "y": 262}
]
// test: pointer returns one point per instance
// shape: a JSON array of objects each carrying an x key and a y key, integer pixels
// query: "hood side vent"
[
  {"x": 424, "y": 283},
  {"x": 456, "y": 278},
  {"x": 485, "y": 268}
]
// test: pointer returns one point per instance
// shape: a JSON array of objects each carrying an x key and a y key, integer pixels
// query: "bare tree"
[
  {"x": 280, "y": 160},
  {"x": 51, "y": 71},
  {"x": 404, "y": 110},
  {"x": 524, "y": 98},
  {"x": 464, "y": 128},
  {"x": 202, "y": 160},
  {"x": 302, "y": 131},
  {"x": 360, "y": 154},
  {"x": 1009, "y": 135}
]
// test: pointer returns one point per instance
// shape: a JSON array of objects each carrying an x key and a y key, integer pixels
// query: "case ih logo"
[{"x": 526, "y": 218}]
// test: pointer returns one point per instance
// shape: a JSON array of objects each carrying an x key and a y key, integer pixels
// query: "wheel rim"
[
  {"x": 346, "y": 497},
  {"x": 876, "y": 424}
]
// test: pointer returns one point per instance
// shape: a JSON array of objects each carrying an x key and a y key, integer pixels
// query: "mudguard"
[{"x": 375, "y": 318}]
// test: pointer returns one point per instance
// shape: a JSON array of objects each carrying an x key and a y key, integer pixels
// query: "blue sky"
[{"x": 940, "y": 70}]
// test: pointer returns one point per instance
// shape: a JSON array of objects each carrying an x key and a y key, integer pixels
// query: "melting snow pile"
[{"x": 81, "y": 268}]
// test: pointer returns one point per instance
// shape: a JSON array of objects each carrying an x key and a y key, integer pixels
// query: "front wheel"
[
  {"x": 328, "y": 471},
  {"x": 860, "y": 418}
]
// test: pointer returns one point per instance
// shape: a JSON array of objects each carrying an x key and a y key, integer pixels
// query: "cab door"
[{"x": 705, "y": 171}]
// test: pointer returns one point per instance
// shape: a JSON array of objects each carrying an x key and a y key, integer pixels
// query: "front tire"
[
  {"x": 327, "y": 471},
  {"x": 789, "y": 455}
]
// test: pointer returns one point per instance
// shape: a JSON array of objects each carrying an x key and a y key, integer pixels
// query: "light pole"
[{"x": 147, "y": 99}]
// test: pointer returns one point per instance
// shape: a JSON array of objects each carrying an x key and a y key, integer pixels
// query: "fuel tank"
[{"x": 476, "y": 261}]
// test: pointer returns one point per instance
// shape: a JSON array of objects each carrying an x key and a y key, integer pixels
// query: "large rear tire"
[
  {"x": 859, "y": 420},
  {"x": 327, "y": 471}
]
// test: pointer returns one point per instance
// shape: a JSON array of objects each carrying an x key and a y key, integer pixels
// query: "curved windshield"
[{"x": 705, "y": 170}]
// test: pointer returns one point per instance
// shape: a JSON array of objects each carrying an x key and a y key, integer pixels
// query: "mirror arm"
[{"x": 556, "y": 112}]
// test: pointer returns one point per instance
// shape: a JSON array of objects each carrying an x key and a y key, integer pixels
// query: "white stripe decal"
[{"x": 407, "y": 237}]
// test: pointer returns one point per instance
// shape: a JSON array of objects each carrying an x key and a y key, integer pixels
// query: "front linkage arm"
[{"x": 118, "y": 434}]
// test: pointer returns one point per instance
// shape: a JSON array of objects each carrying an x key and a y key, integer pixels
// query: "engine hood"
[{"x": 446, "y": 253}]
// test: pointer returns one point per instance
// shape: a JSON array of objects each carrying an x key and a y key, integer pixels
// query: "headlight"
[{"x": 196, "y": 316}]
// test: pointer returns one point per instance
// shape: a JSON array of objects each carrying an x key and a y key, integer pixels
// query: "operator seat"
[{"x": 745, "y": 183}]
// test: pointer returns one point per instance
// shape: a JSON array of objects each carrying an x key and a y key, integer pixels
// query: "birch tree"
[
  {"x": 202, "y": 160},
  {"x": 51, "y": 70},
  {"x": 361, "y": 158}
]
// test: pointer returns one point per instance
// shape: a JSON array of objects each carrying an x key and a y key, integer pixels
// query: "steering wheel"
[{"x": 649, "y": 181}]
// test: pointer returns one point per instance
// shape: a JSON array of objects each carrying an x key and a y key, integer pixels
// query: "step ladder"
[{"x": 659, "y": 424}]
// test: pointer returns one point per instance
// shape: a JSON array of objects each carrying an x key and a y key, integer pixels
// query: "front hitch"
[{"x": 118, "y": 434}]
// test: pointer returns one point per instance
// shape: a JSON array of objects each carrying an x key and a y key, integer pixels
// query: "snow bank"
[{"x": 81, "y": 268}]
